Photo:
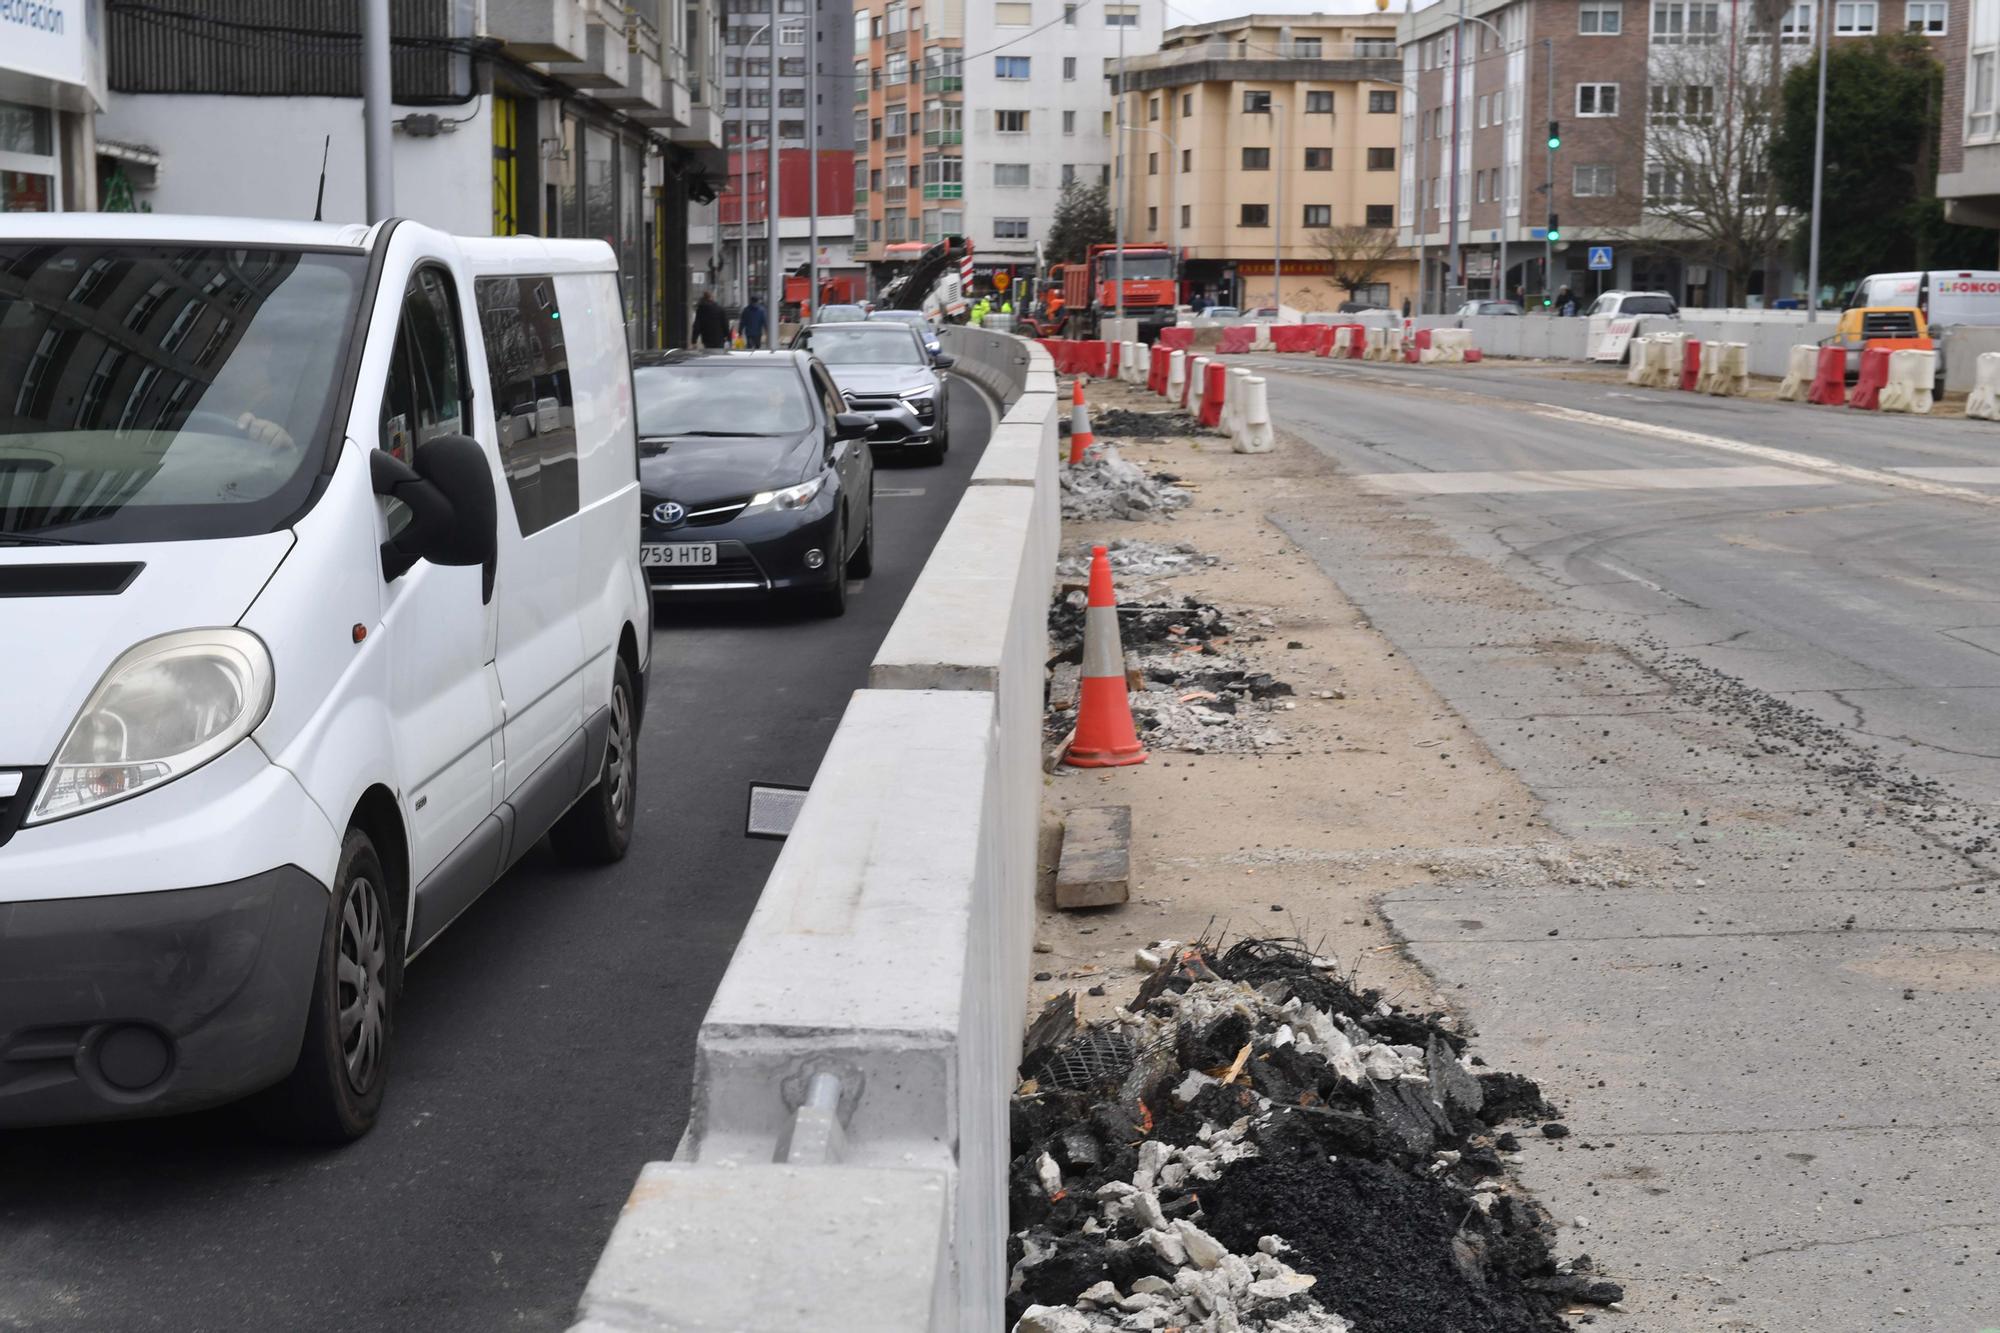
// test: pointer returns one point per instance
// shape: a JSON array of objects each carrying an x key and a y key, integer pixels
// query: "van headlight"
[
  {"x": 792, "y": 497},
  {"x": 166, "y": 707}
]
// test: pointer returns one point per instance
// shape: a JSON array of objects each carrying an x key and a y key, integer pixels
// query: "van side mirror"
[
  {"x": 944, "y": 360},
  {"x": 453, "y": 514},
  {"x": 853, "y": 426}
]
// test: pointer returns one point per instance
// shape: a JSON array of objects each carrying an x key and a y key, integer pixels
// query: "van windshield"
[{"x": 163, "y": 392}]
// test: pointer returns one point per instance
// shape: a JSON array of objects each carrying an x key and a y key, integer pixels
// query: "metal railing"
[{"x": 1365, "y": 48}]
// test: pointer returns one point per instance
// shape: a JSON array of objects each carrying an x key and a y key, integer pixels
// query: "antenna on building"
[{"x": 320, "y": 202}]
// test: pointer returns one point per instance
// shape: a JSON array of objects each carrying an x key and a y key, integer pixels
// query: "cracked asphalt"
[{"x": 1747, "y": 655}]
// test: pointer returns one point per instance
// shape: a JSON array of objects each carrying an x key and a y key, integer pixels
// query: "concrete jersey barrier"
[{"x": 844, "y": 1166}]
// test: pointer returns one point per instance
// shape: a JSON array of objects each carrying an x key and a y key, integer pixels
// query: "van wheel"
[
  {"x": 598, "y": 828},
  {"x": 334, "y": 1093}
]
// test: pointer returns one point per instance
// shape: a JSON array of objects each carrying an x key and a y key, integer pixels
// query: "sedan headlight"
[
  {"x": 166, "y": 707},
  {"x": 792, "y": 497}
]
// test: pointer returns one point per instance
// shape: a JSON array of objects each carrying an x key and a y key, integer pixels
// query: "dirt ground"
[{"x": 1378, "y": 787}]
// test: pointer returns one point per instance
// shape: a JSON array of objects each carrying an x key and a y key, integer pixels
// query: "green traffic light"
[{"x": 1555, "y": 235}]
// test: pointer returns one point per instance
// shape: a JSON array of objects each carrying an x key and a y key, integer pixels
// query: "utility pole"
[
  {"x": 1118, "y": 183},
  {"x": 1821, "y": 20},
  {"x": 1549, "y": 246},
  {"x": 1278, "y": 222},
  {"x": 375, "y": 108},
  {"x": 774, "y": 277},
  {"x": 1451, "y": 158},
  {"x": 812, "y": 164}
]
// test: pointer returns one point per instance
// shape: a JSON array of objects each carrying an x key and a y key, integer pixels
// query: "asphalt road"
[
  {"x": 544, "y": 1042},
  {"x": 1745, "y": 655}
]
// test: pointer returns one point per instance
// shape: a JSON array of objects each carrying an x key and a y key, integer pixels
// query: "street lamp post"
[
  {"x": 1278, "y": 222},
  {"x": 1118, "y": 183},
  {"x": 1548, "y": 242},
  {"x": 743, "y": 162},
  {"x": 774, "y": 280},
  {"x": 1819, "y": 171}
]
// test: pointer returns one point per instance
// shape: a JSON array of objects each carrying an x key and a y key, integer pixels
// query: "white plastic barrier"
[
  {"x": 1447, "y": 346},
  {"x": 1983, "y": 404},
  {"x": 1233, "y": 400},
  {"x": 1378, "y": 340},
  {"x": 1253, "y": 424},
  {"x": 1176, "y": 374},
  {"x": 1199, "y": 370},
  {"x": 1132, "y": 363},
  {"x": 1725, "y": 370},
  {"x": 1800, "y": 372},
  {"x": 1911, "y": 375},
  {"x": 1668, "y": 352},
  {"x": 1635, "y": 369},
  {"x": 1343, "y": 340}
]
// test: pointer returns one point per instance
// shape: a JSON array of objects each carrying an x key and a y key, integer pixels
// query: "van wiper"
[{"x": 9, "y": 537}]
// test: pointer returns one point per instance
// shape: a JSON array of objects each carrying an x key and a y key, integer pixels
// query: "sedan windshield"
[
  {"x": 721, "y": 396},
  {"x": 162, "y": 392},
  {"x": 863, "y": 345}
]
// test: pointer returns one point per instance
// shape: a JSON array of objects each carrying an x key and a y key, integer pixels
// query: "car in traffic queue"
[
  {"x": 840, "y": 314},
  {"x": 917, "y": 320},
  {"x": 755, "y": 478},
  {"x": 316, "y": 559},
  {"x": 884, "y": 371}
]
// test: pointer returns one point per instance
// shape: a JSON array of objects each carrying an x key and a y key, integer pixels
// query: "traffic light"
[
  {"x": 1555, "y": 228},
  {"x": 1555, "y": 134}
]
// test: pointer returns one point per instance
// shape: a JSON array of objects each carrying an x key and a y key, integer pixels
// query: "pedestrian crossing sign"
[{"x": 1600, "y": 257}]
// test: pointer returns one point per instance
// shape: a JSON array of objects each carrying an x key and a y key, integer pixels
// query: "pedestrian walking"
[
  {"x": 1566, "y": 303},
  {"x": 711, "y": 326},
  {"x": 750, "y": 322}
]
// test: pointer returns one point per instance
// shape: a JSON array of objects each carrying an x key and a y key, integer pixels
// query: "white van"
[
  {"x": 320, "y": 604},
  {"x": 1946, "y": 296}
]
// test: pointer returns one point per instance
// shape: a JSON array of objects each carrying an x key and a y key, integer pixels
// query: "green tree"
[
  {"x": 1083, "y": 219},
  {"x": 1881, "y": 211}
]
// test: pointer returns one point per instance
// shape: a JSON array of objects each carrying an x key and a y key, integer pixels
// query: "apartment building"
[
  {"x": 540, "y": 117},
  {"x": 1039, "y": 109},
  {"x": 1969, "y": 139},
  {"x": 1257, "y": 143},
  {"x": 907, "y": 92},
  {"x": 1655, "y": 100},
  {"x": 819, "y": 30}
]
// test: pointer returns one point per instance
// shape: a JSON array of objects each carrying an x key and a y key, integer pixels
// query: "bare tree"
[
  {"x": 1704, "y": 134},
  {"x": 1357, "y": 256}
]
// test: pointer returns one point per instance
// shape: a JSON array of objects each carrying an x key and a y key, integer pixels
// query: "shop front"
[{"x": 51, "y": 85}]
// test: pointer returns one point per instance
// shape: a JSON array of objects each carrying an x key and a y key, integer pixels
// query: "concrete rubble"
[
  {"x": 1104, "y": 485},
  {"x": 1256, "y": 1145},
  {"x": 1135, "y": 558}
]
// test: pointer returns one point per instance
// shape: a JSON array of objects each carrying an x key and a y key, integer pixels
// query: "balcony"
[
  {"x": 1368, "y": 59},
  {"x": 935, "y": 138},
  {"x": 895, "y": 194},
  {"x": 862, "y": 194},
  {"x": 943, "y": 83},
  {"x": 607, "y": 63},
  {"x": 536, "y": 30},
  {"x": 945, "y": 190},
  {"x": 643, "y": 96},
  {"x": 895, "y": 143}
]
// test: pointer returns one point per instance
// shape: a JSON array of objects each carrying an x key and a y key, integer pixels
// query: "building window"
[
  {"x": 1595, "y": 182},
  {"x": 1010, "y": 229},
  {"x": 1010, "y": 175},
  {"x": 1677, "y": 21},
  {"x": 1152, "y": 219},
  {"x": 1069, "y": 122},
  {"x": 1121, "y": 16},
  {"x": 1152, "y": 164},
  {"x": 1107, "y": 123},
  {"x": 1069, "y": 16},
  {"x": 1663, "y": 185},
  {"x": 1256, "y": 103},
  {"x": 1256, "y": 159},
  {"x": 1253, "y": 215},
  {"x": 1795, "y": 25},
  {"x": 1068, "y": 174},
  {"x": 1013, "y": 14},
  {"x": 1187, "y": 215},
  {"x": 792, "y": 34},
  {"x": 1187, "y": 104},
  {"x": 1381, "y": 159},
  {"x": 1187, "y": 159},
  {"x": 860, "y": 28},
  {"x": 791, "y": 97},
  {"x": 1306, "y": 48},
  {"x": 1319, "y": 159},
  {"x": 1069, "y": 69},
  {"x": 1600, "y": 18},
  {"x": 1478, "y": 187},
  {"x": 1854, "y": 18},
  {"x": 1381, "y": 102},
  {"x": 1485, "y": 105},
  {"x": 1668, "y": 103},
  {"x": 1010, "y": 67},
  {"x": 1152, "y": 108},
  {"x": 896, "y": 68},
  {"x": 1010, "y": 122},
  {"x": 1597, "y": 99},
  {"x": 1318, "y": 215},
  {"x": 791, "y": 129},
  {"x": 1979, "y": 94},
  {"x": 1319, "y": 103},
  {"x": 1381, "y": 215}
]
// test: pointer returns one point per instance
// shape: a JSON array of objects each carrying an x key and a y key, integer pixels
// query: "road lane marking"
[
  {"x": 1783, "y": 457},
  {"x": 1978, "y": 476},
  {"x": 897, "y": 492},
  {"x": 1593, "y": 479}
]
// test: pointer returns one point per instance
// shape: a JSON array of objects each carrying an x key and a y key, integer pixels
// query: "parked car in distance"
[
  {"x": 839, "y": 314},
  {"x": 1490, "y": 308},
  {"x": 338, "y": 623},
  {"x": 884, "y": 370},
  {"x": 754, "y": 476},
  {"x": 917, "y": 320},
  {"x": 1611, "y": 304},
  {"x": 1222, "y": 312},
  {"x": 1359, "y": 307}
]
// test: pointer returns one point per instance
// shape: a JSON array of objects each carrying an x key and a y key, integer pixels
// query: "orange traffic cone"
[
  {"x": 1080, "y": 437},
  {"x": 1105, "y": 737}
]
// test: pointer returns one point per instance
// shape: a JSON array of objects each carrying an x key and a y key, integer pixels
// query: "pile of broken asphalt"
[{"x": 1258, "y": 1145}]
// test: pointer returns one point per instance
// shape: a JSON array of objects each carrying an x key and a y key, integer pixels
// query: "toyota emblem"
[{"x": 669, "y": 514}]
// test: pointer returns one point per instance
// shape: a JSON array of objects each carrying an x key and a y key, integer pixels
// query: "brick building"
[
  {"x": 1252, "y": 138},
  {"x": 1659, "y": 150}
]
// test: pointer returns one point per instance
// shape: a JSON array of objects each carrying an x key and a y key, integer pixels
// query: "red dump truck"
[{"x": 1090, "y": 289}]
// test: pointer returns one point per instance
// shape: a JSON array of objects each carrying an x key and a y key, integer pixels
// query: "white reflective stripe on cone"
[{"x": 1102, "y": 655}]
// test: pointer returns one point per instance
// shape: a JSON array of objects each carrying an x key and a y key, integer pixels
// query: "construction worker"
[
  {"x": 1006, "y": 306},
  {"x": 980, "y": 309}
]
